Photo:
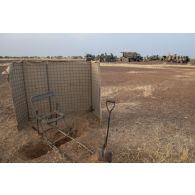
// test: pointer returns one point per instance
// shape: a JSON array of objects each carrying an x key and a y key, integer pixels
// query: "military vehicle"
[
  {"x": 90, "y": 57},
  {"x": 152, "y": 58},
  {"x": 176, "y": 59},
  {"x": 106, "y": 58},
  {"x": 131, "y": 57}
]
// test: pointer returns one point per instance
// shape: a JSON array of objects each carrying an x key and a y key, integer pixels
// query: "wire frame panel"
[
  {"x": 17, "y": 83},
  {"x": 71, "y": 82},
  {"x": 75, "y": 83},
  {"x": 96, "y": 92},
  {"x": 35, "y": 76}
]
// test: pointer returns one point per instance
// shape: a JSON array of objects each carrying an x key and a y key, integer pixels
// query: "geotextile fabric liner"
[{"x": 75, "y": 83}]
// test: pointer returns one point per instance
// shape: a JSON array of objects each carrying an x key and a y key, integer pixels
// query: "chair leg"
[
  {"x": 56, "y": 113},
  {"x": 37, "y": 124},
  {"x": 37, "y": 120},
  {"x": 56, "y": 120}
]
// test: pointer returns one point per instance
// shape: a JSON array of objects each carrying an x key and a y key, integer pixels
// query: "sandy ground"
[{"x": 153, "y": 121}]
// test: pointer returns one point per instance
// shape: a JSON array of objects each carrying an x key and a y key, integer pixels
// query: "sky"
[{"x": 66, "y": 44}]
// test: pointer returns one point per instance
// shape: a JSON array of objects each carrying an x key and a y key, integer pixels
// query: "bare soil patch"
[{"x": 154, "y": 119}]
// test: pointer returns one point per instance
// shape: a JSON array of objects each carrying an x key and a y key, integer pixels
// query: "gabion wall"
[{"x": 75, "y": 83}]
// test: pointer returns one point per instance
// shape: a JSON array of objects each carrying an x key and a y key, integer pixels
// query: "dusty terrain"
[{"x": 153, "y": 121}]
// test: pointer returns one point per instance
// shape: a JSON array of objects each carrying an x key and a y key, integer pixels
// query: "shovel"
[{"x": 104, "y": 154}]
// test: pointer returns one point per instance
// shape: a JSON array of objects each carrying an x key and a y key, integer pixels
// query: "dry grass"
[
  {"x": 147, "y": 90},
  {"x": 154, "y": 66},
  {"x": 155, "y": 148},
  {"x": 154, "y": 116}
]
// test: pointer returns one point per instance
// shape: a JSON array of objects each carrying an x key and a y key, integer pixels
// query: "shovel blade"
[
  {"x": 104, "y": 155},
  {"x": 108, "y": 156}
]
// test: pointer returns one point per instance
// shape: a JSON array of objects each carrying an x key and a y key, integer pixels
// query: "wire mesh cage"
[{"x": 75, "y": 83}]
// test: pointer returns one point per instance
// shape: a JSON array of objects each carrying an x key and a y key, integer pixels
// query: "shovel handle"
[{"x": 110, "y": 104}]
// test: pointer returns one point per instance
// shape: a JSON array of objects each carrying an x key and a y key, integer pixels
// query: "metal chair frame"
[
  {"x": 51, "y": 119},
  {"x": 45, "y": 119}
]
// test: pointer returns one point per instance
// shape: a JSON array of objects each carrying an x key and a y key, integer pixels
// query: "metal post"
[
  {"x": 25, "y": 90},
  {"x": 48, "y": 87}
]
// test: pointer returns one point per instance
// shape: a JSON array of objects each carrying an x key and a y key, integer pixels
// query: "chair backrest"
[
  {"x": 42, "y": 102},
  {"x": 42, "y": 96}
]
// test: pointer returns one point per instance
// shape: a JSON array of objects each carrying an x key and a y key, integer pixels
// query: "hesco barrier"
[{"x": 75, "y": 83}]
